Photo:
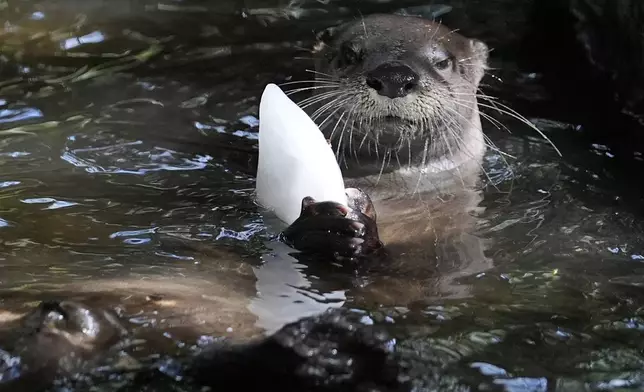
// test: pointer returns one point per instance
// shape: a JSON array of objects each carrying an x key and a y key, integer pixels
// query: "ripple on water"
[
  {"x": 6, "y": 184},
  {"x": 20, "y": 114},
  {"x": 9, "y": 366},
  {"x": 524, "y": 384},
  {"x": 96, "y": 201},
  {"x": 53, "y": 203},
  {"x": 132, "y": 157},
  {"x": 134, "y": 237}
]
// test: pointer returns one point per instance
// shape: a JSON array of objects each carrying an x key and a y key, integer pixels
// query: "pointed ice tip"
[
  {"x": 295, "y": 159},
  {"x": 271, "y": 88}
]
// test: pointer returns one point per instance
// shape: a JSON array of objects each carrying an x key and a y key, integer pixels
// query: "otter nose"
[{"x": 392, "y": 80}]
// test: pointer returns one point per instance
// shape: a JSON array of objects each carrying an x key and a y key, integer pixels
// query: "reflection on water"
[
  {"x": 284, "y": 293},
  {"x": 134, "y": 190}
]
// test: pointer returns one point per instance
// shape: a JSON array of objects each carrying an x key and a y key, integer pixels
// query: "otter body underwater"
[
  {"x": 59, "y": 344},
  {"x": 397, "y": 98}
]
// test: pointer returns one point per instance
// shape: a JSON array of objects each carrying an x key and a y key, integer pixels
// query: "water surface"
[{"x": 128, "y": 154}]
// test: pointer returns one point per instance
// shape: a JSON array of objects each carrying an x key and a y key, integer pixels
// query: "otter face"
[
  {"x": 399, "y": 81},
  {"x": 60, "y": 328},
  {"x": 58, "y": 338}
]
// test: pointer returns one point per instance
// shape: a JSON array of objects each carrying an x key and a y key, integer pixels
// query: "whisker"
[
  {"x": 479, "y": 164},
  {"x": 512, "y": 113},
  {"x": 299, "y": 90},
  {"x": 319, "y": 98},
  {"x": 302, "y": 48},
  {"x": 492, "y": 146},
  {"x": 340, "y": 107},
  {"x": 336, "y": 127},
  {"x": 491, "y": 119},
  {"x": 345, "y": 123},
  {"x": 340, "y": 100},
  {"x": 423, "y": 163},
  {"x": 496, "y": 123},
  {"x": 386, "y": 158},
  {"x": 458, "y": 138},
  {"x": 319, "y": 73},
  {"x": 449, "y": 149},
  {"x": 313, "y": 82},
  {"x": 494, "y": 104}
]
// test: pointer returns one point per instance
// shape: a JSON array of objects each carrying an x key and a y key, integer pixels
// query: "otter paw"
[
  {"x": 337, "y": 349},
  {"x": 331, "y": 229}
]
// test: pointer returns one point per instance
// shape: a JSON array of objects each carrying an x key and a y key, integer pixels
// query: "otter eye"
[
  {"x": 443, "y": 64},
  {"x": 350, "y": 54}
]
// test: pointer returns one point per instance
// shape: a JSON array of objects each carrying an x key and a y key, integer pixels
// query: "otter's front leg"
[{"x": 332, "y": 229}]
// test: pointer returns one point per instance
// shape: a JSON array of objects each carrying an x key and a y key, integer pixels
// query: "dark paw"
[
  {"x": 337, "y": 349},
  {"x": 331, "y": 229}
]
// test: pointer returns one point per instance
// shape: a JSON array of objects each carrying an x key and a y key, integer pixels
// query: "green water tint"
[{"x": 127, "y": 174}]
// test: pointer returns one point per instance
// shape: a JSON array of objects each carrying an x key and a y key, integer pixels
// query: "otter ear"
[{"x": 479, "y": 59}]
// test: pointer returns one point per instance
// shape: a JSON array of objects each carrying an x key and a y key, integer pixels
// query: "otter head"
[
  {"x": 67, "y": 333},
  {"x": 400, "y": 82},
  {"x": 56, "y": 338}
]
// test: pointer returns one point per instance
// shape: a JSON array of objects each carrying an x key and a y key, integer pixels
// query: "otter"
[
  {"x": 57, "y": 338},
  {"x": 397, "y": 98},
  {"x": 332, "y": 351},
  {"x": 336, "y": 350}
]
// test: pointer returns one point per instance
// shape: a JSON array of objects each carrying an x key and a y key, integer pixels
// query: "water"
[{"x": 130, "y": 186}]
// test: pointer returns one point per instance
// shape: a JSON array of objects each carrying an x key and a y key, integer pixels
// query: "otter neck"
[{"x": 388, "y": 174}]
